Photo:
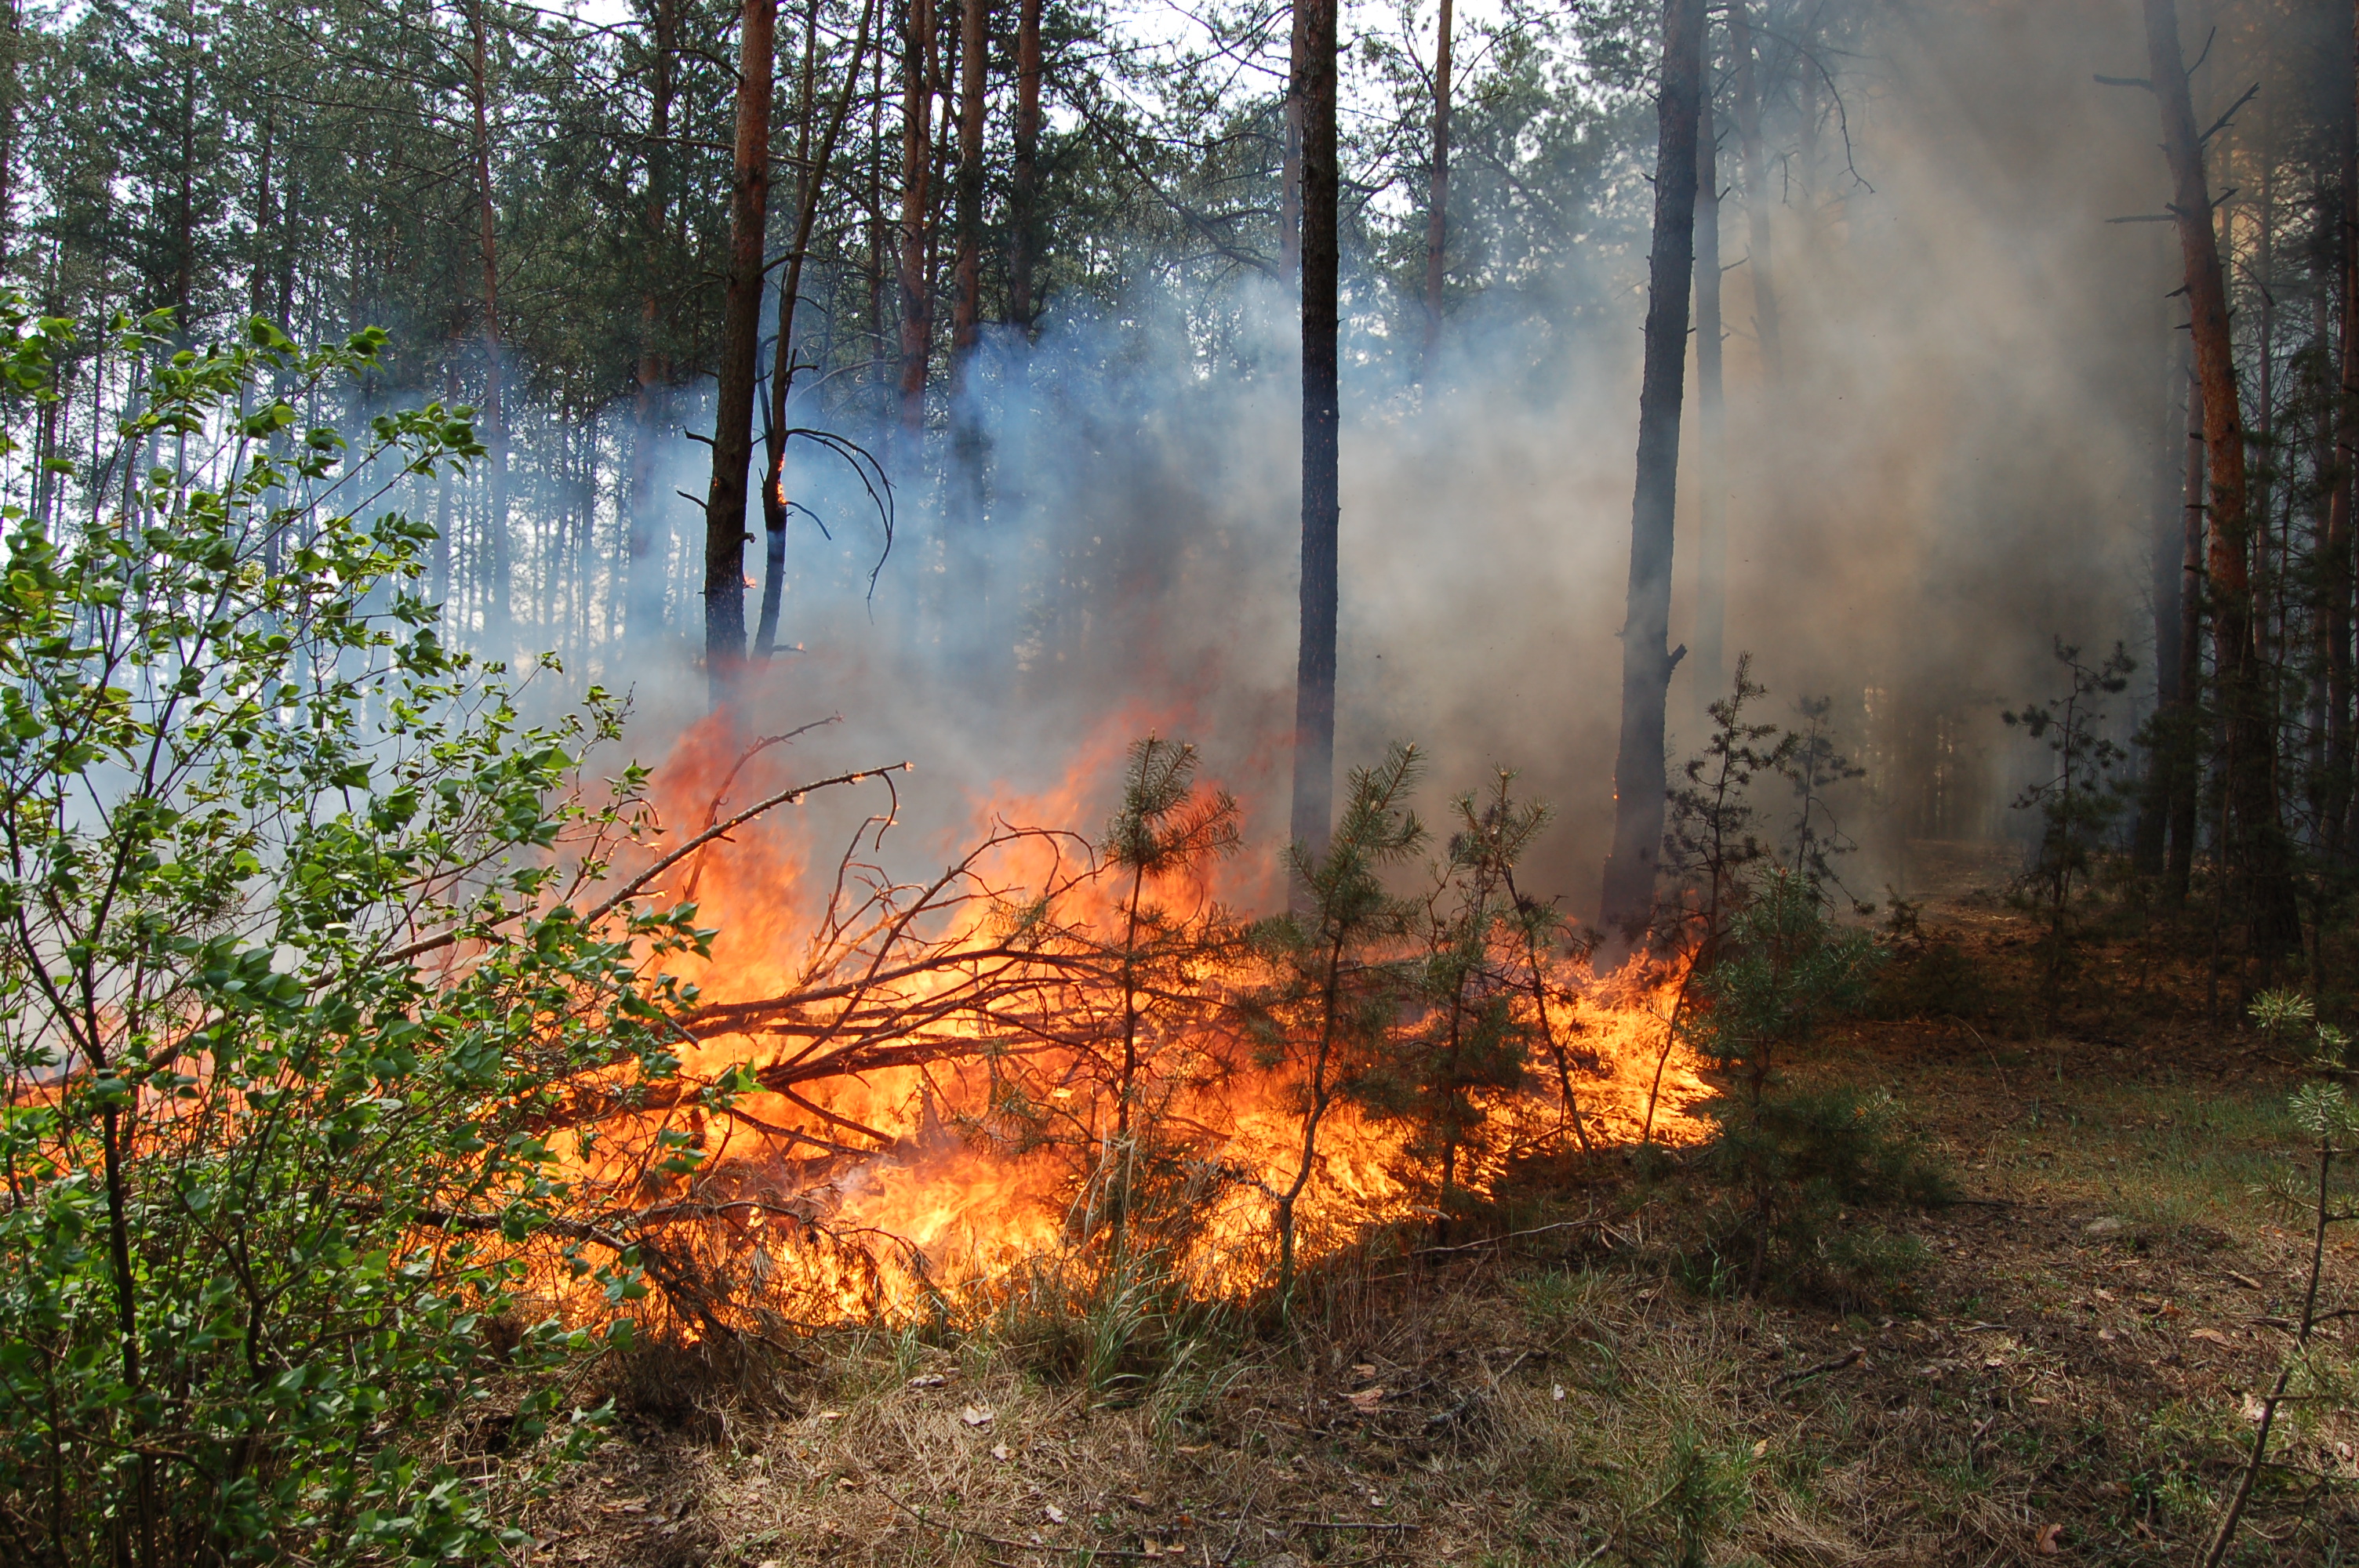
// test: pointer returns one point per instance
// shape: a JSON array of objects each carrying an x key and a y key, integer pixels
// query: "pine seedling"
[
  {"x": 2077, "y": 803},
  {"x": 2320, "y": 1193},
  {"x": 1334, "y": 991},
  {"x": 1472, "y": 1040}
]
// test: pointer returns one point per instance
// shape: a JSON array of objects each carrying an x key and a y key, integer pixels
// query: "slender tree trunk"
[
  {"x": 2252, "y": 792},
  {"x": 782, "y": 364},
  {"x": 2166, "y": 556},
  {"x": 1289, "y": 170},
  {"x": 2187, "y": 736},
  {"x": 1314, "y": 684},
  {"x": 917, "y": 167},
  {"x": 498, "y": 618},
  {"x": 1756, "y": 189},
  {"x": 1647, "y": 658},
  {"x": 740, "y": 343},
  {"x": 1023, "y": 216},
  {"x": 966, "y": 310},
  {"x": 1436, "y": 202},
  {"x": 12, "y": 45},
  {"x": 2337, "y": 565},
  {"x": 880, "y": 240},
  {"x": 1711, "y": 410},
  {"x": 184, "y": 222},
  {"x": 644, "y": 596}
]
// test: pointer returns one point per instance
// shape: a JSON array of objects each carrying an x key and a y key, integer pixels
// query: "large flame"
[{"x": 932, "y": 1112}]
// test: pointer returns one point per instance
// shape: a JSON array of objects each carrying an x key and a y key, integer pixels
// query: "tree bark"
[
  {"x": 2186, "y": 740},
  {"x": 643, "y": 611},
  {"x": 1314, "y": 686},
  {"x": 782, "y": 364},
  {"x": 1756, "y": 190},
  {"x": 2338, "y": 563},
  {"x": 2252, "y": 792},
  {"x": 917, "y": 168},
  {"x": 1290, "y": 169},
  {"x": 2166, "y": 556},
  {"x": 1711, "y": 410},
  {"x": 1646, "y": 659},
  {"x": 497, "y": 622},
  {"x": 1436, "y": 204},
  {"x": 966, "y": 309},
  {"x": 741, "y": 341},
  {"x": 1023, "y": 303}
]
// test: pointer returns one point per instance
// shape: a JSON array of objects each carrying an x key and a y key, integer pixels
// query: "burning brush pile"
[{"x": 1064, "y": 1055}]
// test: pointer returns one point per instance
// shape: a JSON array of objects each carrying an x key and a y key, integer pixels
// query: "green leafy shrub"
[{"x": 271, "y": 1136}]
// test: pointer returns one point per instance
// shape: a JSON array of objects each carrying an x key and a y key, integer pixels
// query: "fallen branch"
[{"x": 1850, "y": 1357}]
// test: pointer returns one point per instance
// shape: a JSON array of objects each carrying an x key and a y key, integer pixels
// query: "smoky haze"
[{"x": 1957, "y": 464}]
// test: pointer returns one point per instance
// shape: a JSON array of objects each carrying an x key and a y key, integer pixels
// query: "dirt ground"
[{"x": 2066, "y": 1372}]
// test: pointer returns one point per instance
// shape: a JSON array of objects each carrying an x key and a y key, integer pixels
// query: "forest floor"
[{"x": 2060, "y": 1366}]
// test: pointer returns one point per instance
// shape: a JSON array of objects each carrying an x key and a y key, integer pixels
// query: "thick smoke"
[{"x": 1957, "y": 465}]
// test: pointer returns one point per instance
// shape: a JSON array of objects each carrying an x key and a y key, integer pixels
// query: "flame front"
[{"x": 901, "y": 1098}]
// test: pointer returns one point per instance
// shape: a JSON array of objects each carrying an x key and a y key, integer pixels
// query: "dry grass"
[{"x": 2069, "y": 1367}]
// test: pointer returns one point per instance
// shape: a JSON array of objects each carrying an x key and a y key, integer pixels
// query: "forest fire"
[{"x": 899, "y": 1099}]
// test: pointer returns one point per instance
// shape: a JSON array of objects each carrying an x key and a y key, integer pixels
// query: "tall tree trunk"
[
  {"x": 1711, "y": 410},
  {"x": 1290, "y": 167},
  {"x": 12, "y": 45},
  {"x": 1314, "y": 681},
  {"x": 2338, "y": 562},
  {"x": 2187, "y": 735},
  {"x": 916, "y": 168},
  {"x": 880, "y": 242},
  {"x": 2252, "y": 792},
  {"x": 1024, "y": 198},
  {"x": 1756, "y": 189},
  {"x": 782, "y": 364},
  {"x": 184, "y": 222},
  {"x": 1647, "y": 658},
  {"x": 966, "y": 310},
  {"x": 740, "y": 343},
  {"x": 644, "y": 596},
  {"x": 1437, "y": 201},
  {"x": 257, "y": 278},
  {"x": 498, "y": 619},
  {"x": 2165, "y": 559}
]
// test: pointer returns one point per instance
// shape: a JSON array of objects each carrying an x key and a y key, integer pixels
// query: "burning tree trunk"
[
  {"x": 916, "y": 168},
  {"x": 645, "y": 609},
  {"x": 1647, "y": 658},
  {"x": 1024, "y": 242},
  {"x": 1756, "y": 189},
  {"x": 741, "y": 334},
  {"x": 1711, "y": 454},
  {"x": 1437, "y": 207},
  {"x": 495, "y": 424},
  {"x": 2252, "y": 741},
  {"x": 1314, "y": 687}
]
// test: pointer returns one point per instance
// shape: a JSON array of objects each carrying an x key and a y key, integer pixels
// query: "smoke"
[{"x": 1956, "y": 466}]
